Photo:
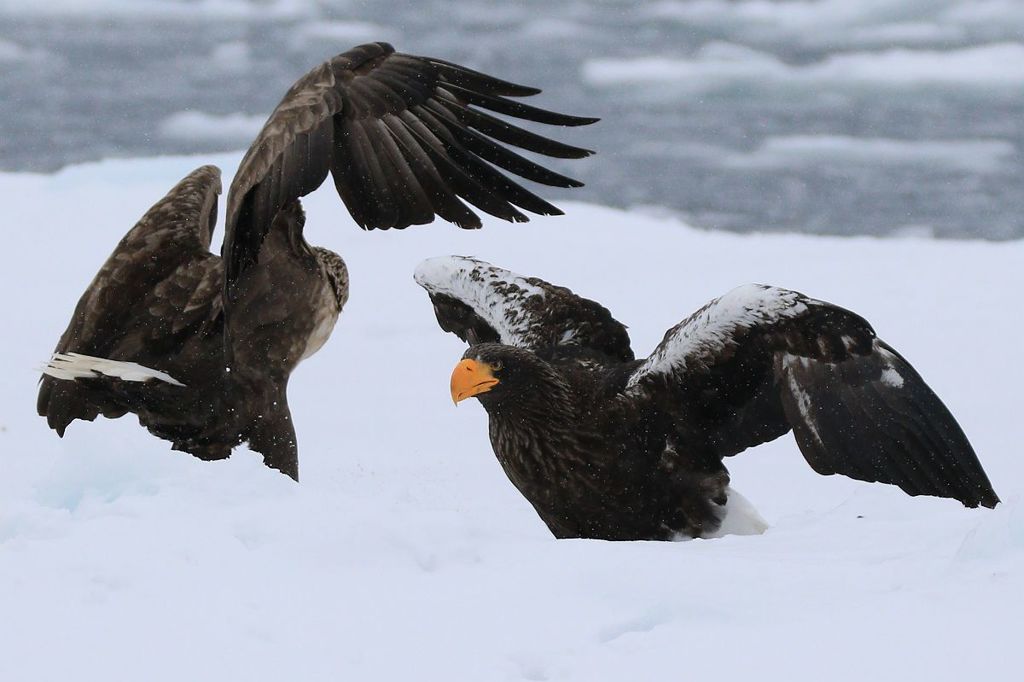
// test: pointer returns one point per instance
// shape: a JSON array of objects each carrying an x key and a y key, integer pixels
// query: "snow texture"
[
  {"x": 718, "y": 66},
  {"x": 13, "y": 52},
  {"x": 838, "y": 24},
  {"x": 198, "y": 126},
  {"x": 183, "y": 10},
  {"x": 792, "y": 151},
  {"x": 335, "y": 33},
  {"x": 406, "y": 554}
]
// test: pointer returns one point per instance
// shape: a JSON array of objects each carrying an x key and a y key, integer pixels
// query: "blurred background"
[{"x": 866, "y": 117}]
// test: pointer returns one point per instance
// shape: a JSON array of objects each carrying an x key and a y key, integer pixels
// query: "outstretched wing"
[
  {"x": 159, "y": 282},
  {"x": 404, "y": 138},
  {"x": 173, "y": 233},
  {"x": 480, "y": 302},
  {"x": 751, "y": 365}
]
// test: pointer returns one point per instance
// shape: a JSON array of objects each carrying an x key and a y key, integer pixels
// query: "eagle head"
[{"x": 495, "y": 373}]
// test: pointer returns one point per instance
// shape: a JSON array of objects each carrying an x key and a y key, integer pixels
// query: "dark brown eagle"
[
  {"x": 200, "y": 347},
  {"x": 607, "y": 446}
]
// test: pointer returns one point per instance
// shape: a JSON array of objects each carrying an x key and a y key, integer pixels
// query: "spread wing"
[
  {"x": 172, "y": 234},
  {"x": 753, "y": 364},
  {"x": 480, "y": 303},
  {"x": 405, "y": 138},
  {"x": 159, "y": 283}
]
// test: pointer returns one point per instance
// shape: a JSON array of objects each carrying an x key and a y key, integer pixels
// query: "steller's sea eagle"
[
  {"x": 607, "y": 446},
  {"x": 200, "y": 347}
]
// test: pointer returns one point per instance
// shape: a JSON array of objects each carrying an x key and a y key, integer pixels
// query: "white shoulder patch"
[
  {"x": 705, "y": 333},
  {"x": 496, "y": 295}
]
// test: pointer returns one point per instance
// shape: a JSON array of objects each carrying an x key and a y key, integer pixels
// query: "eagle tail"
[
  {"x": 72, "y": 366},
  {"x": 738, "y": 516}
]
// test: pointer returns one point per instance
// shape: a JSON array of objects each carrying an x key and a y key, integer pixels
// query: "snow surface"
[
  {"x": 13, "y": 52},
  {"x": 335, "y": 33},
  {"x": 231, "y": 57},
  {"x": 792, "y": 151},
  {"x": 718, "y": 66},
  {"x": 184, "y": 10},
  {"x": 840, "y": 23},
  {"x": 405, "y": 553},
  {"x": 199, "y": 126}
]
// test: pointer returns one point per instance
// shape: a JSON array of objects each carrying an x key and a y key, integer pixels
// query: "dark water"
[{"x": 723, "y": 147}]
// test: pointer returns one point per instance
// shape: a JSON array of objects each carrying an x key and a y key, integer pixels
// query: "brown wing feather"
[
  {"x": 397, "y": 133},
  {"x": 174, "y": 232},
  {"x": 160, "y": 280}
]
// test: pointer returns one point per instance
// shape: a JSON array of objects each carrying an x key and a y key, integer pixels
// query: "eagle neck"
[{"x": 533, "y": 432}]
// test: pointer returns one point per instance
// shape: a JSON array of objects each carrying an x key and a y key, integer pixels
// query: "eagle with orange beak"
[
  {"x": 473, "y": 377},
  {"x": 604, "y": 445}
]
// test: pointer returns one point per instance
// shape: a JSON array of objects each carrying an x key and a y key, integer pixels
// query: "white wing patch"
[
  {"x": 495, "y": 294},
  {"x": 71, "y": 366},
  {"x": 801, "y": 396},
  {"x": 703, "y": 335},
  {"x": 890, "y": 375}
]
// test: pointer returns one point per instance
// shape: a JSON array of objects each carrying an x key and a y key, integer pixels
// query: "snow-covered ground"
[{"x": 405, "y": 553}]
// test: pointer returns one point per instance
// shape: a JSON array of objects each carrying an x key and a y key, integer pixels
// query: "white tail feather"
[
  {"x": 739, "y": 517},
  {"x": 71, "y": 366}
]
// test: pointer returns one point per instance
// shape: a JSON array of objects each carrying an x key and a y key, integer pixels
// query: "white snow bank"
[
  {"x": 718, "y": 65},
  {"x": 838, "y": 151},
  {"x": 405, "y": 553},
  {"x": 910, "y": 33},
  {"x": 342, "y": 34},
  {"x": 231, "y": 57},
  {"x": 199, "y": 126},
  {"x": 986, "y": 14},
  {"x": 833, "y": 24},
  {"x": 13, "y": 52},
  {"x": 780, "y": 15},
  {"x": 163, "y": 9},
  {"x": 544, "y": 27},
  {"x": 974, "y": 156}
]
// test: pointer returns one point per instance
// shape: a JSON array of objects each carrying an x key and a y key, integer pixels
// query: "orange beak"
[{"x": 471, "y": 378}]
